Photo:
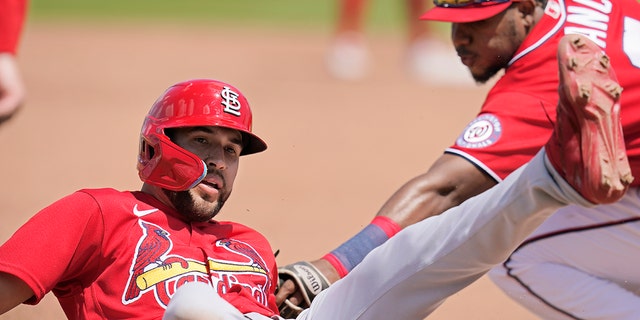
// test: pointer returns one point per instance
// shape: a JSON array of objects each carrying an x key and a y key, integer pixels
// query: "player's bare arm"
[
  {"x": 13, "y": 292},
  {"x": 450, "y": 181}
]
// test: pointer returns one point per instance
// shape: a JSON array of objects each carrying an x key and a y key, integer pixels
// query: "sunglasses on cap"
[{"x": 465, "y": 3}]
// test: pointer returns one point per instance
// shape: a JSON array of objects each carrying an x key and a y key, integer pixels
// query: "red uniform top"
[
  {"x": 12, "y": 13},
  {"x": 517, "y": 117},
  {"x": 121, "y": 255}
]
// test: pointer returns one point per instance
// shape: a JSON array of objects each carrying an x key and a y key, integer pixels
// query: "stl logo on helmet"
[{"x": 230, "y": 101}]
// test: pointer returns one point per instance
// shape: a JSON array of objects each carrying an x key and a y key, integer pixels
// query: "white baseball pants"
[{"x": 581, "y": 263}]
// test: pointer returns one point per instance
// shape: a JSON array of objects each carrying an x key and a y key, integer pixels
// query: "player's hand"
[
  {"x": 12, "y": 89},
  {"x": 288, "y": 290},
  {"x": 293, "y": 294}
]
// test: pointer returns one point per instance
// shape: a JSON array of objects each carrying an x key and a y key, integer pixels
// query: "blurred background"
[
  {"x": 338, "y": 148},
  {"x": 313, "y": 14}
]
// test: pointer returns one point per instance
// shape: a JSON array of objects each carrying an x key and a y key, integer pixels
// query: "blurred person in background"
[
  {"x": 427, "y": 58},
  {"x": 12, "y": 88}
]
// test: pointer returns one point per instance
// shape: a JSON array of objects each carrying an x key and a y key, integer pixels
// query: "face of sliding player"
[{"x": 190, "y": 146}]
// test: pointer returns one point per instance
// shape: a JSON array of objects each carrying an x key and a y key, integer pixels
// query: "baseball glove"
[{"x": 309, "y": 280}]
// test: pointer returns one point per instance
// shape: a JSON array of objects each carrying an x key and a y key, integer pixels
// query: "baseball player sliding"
[
  {"x": 582, "y": 262},
  {"x": 160, "y": 252}
]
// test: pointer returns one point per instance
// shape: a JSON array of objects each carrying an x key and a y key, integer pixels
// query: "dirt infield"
[{"x": 336, "y": 150}]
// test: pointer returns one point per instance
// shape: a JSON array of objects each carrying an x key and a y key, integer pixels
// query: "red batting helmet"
[{"x": 192, "y": 103}]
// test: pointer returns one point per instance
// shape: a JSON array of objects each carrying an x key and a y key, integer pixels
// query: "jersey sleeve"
[
  {"x": 12, "y": 16},
  {"x": 509, "y": 130},
  {"x": 51, "y": 250}
]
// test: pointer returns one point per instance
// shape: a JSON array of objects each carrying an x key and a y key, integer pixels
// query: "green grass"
[{"x": 383, "y": 14}]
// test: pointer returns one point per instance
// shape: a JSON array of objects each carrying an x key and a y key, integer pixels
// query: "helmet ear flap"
[{"x": 162, "y": 163}]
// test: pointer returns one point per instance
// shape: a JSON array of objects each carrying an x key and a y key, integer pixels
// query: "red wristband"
[
  {"x": 387, "y": 225},
  {"x": 335, "y": 262}
]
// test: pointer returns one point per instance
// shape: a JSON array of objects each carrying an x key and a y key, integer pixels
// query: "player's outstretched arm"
[
  {"x": 13, "y": 292},
  {"x": 450, "y": 181}
]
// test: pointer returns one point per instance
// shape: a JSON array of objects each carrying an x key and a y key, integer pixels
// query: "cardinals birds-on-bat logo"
[{"x": 154, "y": 268}]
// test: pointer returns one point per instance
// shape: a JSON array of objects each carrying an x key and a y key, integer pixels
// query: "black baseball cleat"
[{"x": 587, "y": 146}]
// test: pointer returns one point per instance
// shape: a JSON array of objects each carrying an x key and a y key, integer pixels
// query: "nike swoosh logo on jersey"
[{"x": 141, "y": 213}]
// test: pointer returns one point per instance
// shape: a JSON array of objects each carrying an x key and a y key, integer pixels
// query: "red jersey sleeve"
[
  {"x": 12, "y": 16},
  {"x": 508, "y": 132},
  {"x": 55, "y": 246}
]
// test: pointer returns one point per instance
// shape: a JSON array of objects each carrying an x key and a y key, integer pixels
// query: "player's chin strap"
[{"x": 309, "y": 280}]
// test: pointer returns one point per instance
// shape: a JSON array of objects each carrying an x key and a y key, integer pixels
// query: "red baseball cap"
[{"x": 461, "y": 11}]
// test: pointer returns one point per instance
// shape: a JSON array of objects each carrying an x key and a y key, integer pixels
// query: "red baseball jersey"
[
  {"x": 107, "y": 254},
  {"x": 12, "y": 14},
  {"x": 517, "y": 117}
]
